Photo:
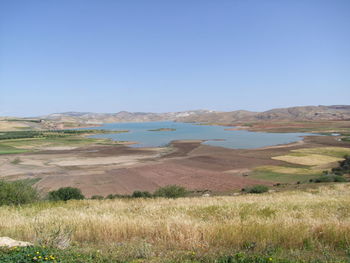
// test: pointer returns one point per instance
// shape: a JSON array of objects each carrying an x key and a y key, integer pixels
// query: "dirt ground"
[{"x": 111, "y": 169}]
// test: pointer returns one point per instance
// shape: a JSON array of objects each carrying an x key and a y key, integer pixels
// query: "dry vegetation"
[{"x": 314, "y": 219}]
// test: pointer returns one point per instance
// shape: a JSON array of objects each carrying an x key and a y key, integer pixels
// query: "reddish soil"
[{"x": 190, "y": 164}]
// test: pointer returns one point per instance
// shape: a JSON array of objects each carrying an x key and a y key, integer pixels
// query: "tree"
[
  {"x": 17, "y": 193},
  {"x": 66, "y": 193},
  {"x": 140, "y": 194},
  {"x": 171, "y": 191}
]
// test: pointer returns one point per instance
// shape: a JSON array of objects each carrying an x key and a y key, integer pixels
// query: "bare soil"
[{"x": 111, "y": 169}]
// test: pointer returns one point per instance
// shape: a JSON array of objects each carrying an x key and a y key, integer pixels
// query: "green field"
[
  {"x": 270, "y": 174},
  {"x": 7, "y": 149},
  {"x": 301, "y": 164},
  {"x": 45, "y": 140}
]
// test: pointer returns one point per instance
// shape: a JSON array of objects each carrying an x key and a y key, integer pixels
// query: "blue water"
[{"x": 138, "y": 132}]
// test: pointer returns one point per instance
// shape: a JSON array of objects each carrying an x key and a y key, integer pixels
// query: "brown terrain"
[
  {"x": 117, "y": 168},
  {"x": 120, "y": 169}
]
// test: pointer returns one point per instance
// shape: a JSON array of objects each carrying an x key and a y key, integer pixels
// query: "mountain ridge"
[{"x": 297, "y": 113}]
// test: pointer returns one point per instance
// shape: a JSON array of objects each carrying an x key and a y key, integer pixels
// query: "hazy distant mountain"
[
  {"x": 122, "y": 116},
  {"x": 305, "y": 113}
]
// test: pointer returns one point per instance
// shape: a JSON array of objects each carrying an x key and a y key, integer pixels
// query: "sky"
[{"x": 172, "y": 55}]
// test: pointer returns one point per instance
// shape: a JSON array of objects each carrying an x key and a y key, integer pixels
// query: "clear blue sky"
[{"x": 162, "y": 55}]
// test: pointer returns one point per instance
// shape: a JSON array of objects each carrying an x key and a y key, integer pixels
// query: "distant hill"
[
  {"x": 122, "y": 116},
  {"x": 304, "y": 113}
]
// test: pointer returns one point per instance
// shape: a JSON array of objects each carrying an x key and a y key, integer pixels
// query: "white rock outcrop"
[{"x": 9, "y": 242}]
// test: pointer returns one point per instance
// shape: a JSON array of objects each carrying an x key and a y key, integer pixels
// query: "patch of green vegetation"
[
  {"x": 6, "y": 149},
  {"x": 329, "y": 179},
  {"x": 27, "y": 120},
  {"x": 256, "y": 189},
  {"x": 17, "y": 193},
  {"x": 282, "y": 177},
  {"x": 16, "y": 161},
  {"x": 171, "y": 191},
  {"x": 141, "y": 194},
  {"x": 28, "y": 181},
  {"x": 65, "y": 194},
  {"x": 344, "y": 166},
  {"x": 24, "y": 141},
  {"x": 77, "y": 255},
  {"x": 8, "y": 135},
  {"x": 339, "y": 152},
  {"x": 47, "y": 254}
]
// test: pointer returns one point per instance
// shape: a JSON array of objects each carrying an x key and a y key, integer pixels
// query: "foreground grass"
[{"x": 299, "y": 225}]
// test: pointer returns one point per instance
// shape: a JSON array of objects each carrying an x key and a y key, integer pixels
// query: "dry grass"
[
  {"x": 308, "y": 159},
  {"x": 11, "y": 126},
  {"x": 329, "y": 151},
  {"x": 318, "y": 218},
  {"x": 288, "y": 170},
  {"x": 315, "y": 156}
]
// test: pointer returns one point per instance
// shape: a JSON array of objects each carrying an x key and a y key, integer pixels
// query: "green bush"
[
  {"x": 66, "y": 193},
  {"x": 97, "y": 197},
  {"x": 141, "y": 194},
  {"x": 17, "y": 193},
  {"x": 329, "y": 179},
  {"x": 344, "y": 166},
  {"x": 171, "y": 191},
  {"x": 257, "y": 189}
]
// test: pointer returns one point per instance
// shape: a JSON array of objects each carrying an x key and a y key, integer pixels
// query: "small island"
[{"x": 163, "y": 129}]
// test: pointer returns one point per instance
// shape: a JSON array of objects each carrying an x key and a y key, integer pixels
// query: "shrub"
[
  {"x": 329, "y": 179},
  {"x": 114, "y": 196},
  {"x": 171, "y": 191},
  {"x": 257, "y": 189},
  {"x": 98, "y": 197},
  {"x": 66, "y": 193},
  {"x": 110, "y": 196},
  {"x": 344, "y": 166},
  {"x": 141, "y": 194},
  {"x": 17, "y": 193}
]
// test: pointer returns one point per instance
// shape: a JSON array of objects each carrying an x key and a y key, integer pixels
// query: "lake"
[{"x": 214, "y": 135}]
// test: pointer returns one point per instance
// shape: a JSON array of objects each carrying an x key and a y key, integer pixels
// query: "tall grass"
[{"x": 310, "y": 219}]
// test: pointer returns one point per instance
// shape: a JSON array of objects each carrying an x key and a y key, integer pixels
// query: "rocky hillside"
[
  {"x": 307, "y": 113},
  {"x": 81, "y": 119},
  {"x": 123, "y": 116}
]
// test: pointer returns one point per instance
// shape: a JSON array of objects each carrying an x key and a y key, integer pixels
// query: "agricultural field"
[
  {"x": 24, "y": 141},
  {"x": 302, "y": 164}
]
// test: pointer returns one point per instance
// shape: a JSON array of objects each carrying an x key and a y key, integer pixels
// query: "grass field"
[
  {"x": 7, "y": 149},
  {"x": 315, "y": 156},
  {"x": 301, "y": 164},
  {"x": 284, "y": 174},
  {"x": 306, "y": 224}
]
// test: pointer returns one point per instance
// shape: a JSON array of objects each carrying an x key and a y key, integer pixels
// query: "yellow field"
[
  {"x": 322, "y": 156},
  {"x": 288, "y": 170},
  {"x": 319, "y": 218},
  {"x": 329, "y": 151},
  {"x": 11, "y": 126},
  {"x": 308, "y": 159}
]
